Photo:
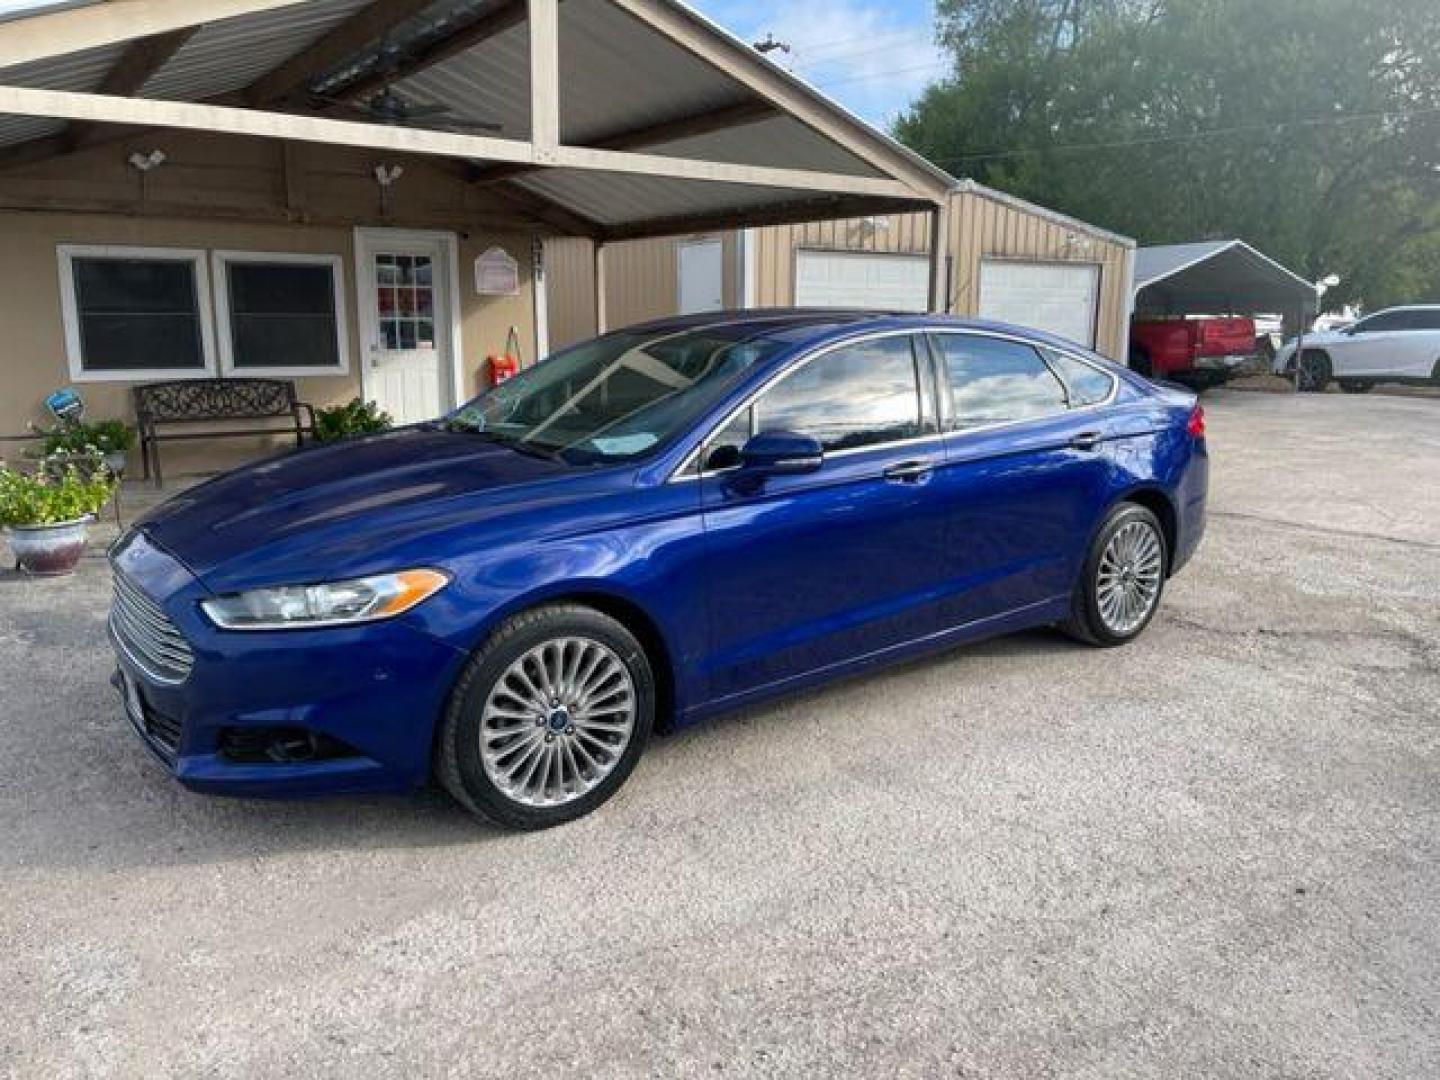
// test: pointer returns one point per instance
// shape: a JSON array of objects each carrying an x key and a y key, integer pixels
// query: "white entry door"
[
  {"x": 862, "y": 279},
  {"x": 1062, "y": 298},
  {"x": 702, "y": 276},
  {"x": 405, "y": 280}
]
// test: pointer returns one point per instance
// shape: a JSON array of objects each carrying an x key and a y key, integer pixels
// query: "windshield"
[{"x": 619, "y": 396}]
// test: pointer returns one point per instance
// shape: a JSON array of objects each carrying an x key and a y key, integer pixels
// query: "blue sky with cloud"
[{"x": 874, "y": 58}]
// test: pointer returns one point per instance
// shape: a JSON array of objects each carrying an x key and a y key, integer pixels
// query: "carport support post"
[
  {"x": 600, "y": 314},
  {"x": 939, "y": 250}
]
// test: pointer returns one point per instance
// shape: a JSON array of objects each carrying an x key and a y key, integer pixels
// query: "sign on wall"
[{"x": 497, "y": 273}]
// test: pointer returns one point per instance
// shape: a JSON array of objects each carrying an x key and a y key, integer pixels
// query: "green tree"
[{"x": 1310, "y": 128}]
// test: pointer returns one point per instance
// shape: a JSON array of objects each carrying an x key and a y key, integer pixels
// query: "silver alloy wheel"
[
  {"x": 557, "y": 722},
  {"x": 1127, "y": 583}
]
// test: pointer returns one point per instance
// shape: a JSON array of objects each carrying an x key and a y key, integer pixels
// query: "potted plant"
[
  {"x": 355, "y": 417},
  {"x": 46, "y": 515},
  {"x": 75, "y": 440}
]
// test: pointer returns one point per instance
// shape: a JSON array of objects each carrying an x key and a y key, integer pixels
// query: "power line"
[
  {"x": 867, "y": 76},
  {"x": 1210, "y": 133}
]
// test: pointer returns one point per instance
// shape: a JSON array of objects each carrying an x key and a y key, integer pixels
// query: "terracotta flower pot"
[{"x": 49, "y": 550}]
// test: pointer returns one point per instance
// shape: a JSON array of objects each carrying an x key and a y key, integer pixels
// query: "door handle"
[
  {"x": 910, "y": 472},
  {"x": 1087, "y": 440}
]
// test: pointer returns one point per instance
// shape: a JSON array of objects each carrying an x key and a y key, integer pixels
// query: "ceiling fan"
[{"x": 389, "y": 107}]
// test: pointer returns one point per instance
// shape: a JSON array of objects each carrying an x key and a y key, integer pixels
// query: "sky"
[{"x": 873, "y": 57}]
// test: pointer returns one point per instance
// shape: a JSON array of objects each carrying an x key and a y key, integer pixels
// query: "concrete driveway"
[{"x": 1213, "y": 853}]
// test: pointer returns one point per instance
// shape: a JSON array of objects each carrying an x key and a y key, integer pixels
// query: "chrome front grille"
[{"x": 147, "y": 635}]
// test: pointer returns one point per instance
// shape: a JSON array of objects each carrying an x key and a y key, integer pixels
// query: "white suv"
[{"x": 1400, "y": 344}]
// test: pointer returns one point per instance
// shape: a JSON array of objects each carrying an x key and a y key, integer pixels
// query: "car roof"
[
  {"x": 816, "y": 324},
  {"x": 1407, "y": 307}
]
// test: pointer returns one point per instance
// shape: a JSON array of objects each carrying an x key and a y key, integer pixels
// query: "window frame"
[
  {"x": 66, "y": 254},
  {"x": 225, "y": 325},
  {"x": 691, "y": 466},
  {"x": 942, "y": 373}
]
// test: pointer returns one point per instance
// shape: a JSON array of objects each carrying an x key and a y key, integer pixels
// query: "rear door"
[
  {"x": 1025, "y": 476},
  {"x": 812, "y": 570}
]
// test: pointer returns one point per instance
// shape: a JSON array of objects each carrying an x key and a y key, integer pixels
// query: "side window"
[
  {"x": 1428, "y": 319},
  {"x": 723, "y": 451},
  {"x": 858, "y": 395},
  {"x": 1382, "y": 323},
  {"x": 994, "y": 381},
  {"x": 1084, "y": 384}
]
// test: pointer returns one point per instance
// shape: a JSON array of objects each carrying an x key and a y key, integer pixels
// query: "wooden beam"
[
  {"x": 706, "y": 42},
  {"x": 504, "y": 18},
  {"x": 92, "y": 26},
  {"x": 369, "y": 24},
  {"x": 801, "y": 210},
  {"x": 939, "y": 258},
  {"x": 602, "y": 318},
  {"x": 666, "y": 131},
  {"x": 544, "y": 19},
  {"x": 227, "y": 120},
  {"x": 137, "y": 64},
  {"x": 561, "y": 219}
]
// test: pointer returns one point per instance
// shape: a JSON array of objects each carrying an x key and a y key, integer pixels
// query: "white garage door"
[
  {"x": 862, "y": 279},
  {"x": 1059, "y": 297}
]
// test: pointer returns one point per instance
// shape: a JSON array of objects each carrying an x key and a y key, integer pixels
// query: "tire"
[
  {"x": 1356, "y": 386},
  {"x": 1140, "y": 363},
  {"x": 1314, "y": 371},
  {"x": 1094, "y": 620},
  {"x": 550, "y": 648}
]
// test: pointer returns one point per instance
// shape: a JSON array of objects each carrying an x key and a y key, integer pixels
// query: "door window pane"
[
  {"x": 995, "y": 380},
  {"x": 137, "y": 313},
  {"x": 282, "y": 315},
  {"x": 1086, "y": 385},
  {"x": 858, "y": 395},
  {"x": 405, "y": 301}
]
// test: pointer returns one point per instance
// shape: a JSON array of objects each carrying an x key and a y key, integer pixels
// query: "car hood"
[{"x": 332, "y": 508}]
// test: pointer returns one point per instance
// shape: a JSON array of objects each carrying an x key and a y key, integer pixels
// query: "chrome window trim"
[
  {"x": 1109, "y": 399},
  {"x": 676, "y": 475}
]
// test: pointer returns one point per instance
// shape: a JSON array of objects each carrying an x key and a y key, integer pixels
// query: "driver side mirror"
[{"x": 781, "y": 453}]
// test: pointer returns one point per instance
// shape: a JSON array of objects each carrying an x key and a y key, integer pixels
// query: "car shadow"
[{"x": 124, "y": 809}]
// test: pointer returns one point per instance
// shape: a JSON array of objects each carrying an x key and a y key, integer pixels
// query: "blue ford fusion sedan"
[{"x": 656, "y": 525}]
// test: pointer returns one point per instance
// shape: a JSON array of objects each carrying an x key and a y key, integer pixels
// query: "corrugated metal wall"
[
  {"x": 643, "y": 278},
  {"x": 983, "y": 227},
  {"x": 775, "y": 247}
]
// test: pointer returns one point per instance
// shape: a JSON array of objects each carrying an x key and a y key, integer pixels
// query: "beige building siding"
[
  {"x": 642, "y": 275},
  {"x": 985, "y": 227},
  {"x": 232, "y": 195},
  {"x": 642, "y": 278},
  {"x": 775, "y": 247}
]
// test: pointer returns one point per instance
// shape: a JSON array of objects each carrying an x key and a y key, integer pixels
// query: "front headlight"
[{"x": 334, "y": 603}]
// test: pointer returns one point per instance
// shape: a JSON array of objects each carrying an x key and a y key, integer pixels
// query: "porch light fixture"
[{"x": 144, "y": 163}]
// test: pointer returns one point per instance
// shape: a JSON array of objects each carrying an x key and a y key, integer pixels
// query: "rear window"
[{"x": 1084, "y": 383}]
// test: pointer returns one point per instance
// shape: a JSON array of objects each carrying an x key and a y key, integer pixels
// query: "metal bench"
[{"x": 205, "y": 401}]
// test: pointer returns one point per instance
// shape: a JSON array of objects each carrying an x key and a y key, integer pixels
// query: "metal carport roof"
[
  {"x": 650, "y": 117},
  {"x": 1216, "y": 276}
]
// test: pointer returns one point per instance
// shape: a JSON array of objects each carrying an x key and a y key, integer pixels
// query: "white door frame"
[
  {"x": 367, "y": 241},
  {"x": 717, "y": 243}
]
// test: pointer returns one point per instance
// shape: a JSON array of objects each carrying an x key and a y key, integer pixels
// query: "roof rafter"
[
  {"x": 367, "y": 25},
  {"x": 666, "y": 131}
]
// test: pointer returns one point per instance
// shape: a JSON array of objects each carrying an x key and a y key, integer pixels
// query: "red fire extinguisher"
[{"x": 505, "y": 366}]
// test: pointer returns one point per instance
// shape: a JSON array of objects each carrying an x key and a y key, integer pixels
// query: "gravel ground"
[{"x": 1213, "y": 853}]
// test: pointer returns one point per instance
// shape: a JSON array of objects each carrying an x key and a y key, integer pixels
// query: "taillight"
[{"x": 1195, "y": 426}]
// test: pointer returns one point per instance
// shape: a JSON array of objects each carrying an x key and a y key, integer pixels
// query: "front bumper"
[{"x": 369, "y": 695}]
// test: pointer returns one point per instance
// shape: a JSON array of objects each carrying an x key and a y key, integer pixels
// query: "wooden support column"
[
  {"x": 601, "y": 317},
  {"x": 940, "y": 258},
  {"x": 544, "y": 78}
]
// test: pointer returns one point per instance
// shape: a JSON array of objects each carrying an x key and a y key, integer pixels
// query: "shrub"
[
  {"x": 44, "y": 499},
  {"x": 353, "y": 418},
  {"x": 75, "y": 438}
]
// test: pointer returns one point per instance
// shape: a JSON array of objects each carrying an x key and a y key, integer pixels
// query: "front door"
[
  {"x": 812, "y": 570},
  {"x": 406, "y": 333}
]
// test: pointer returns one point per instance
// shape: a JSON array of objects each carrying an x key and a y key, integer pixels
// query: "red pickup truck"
[{"x": 1199, "y": 351}]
